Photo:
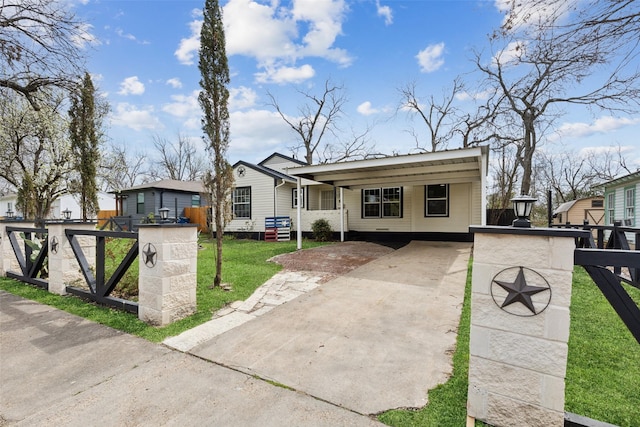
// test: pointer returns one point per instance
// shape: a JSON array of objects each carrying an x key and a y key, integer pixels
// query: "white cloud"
[
  {"x": 273, "y": 34},
  {"x": 366, "y": 109},
  {"x": 514, "y": 51},
  {"x": 83, "y": 37},
  {"x": 129, "y": 36},
  {"x": 430, "y": 58},
  {"x": 385, "y": 12},
  {"x": 284, "y": 75},
  {"x": 601, "y": 125},
  {"x": 255, "y": 130},
  {"x": 131, "y": 86},
  {"x": 183, "y": 105},
  {"x": 189, "y": 46},
  {"x": 242, "y": 97},
  {"x": 465, "y": 96},
  {"x": 130, "y": 116},
  {"x": 174, "y": 83}
]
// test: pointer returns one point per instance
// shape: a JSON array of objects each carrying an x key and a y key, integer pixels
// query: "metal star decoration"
[
  {"x": 149, "y": 253},
  {"x": 519, "y": 291}
]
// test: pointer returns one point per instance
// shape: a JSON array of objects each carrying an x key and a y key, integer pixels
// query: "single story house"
[
  {"x": 433, "y": 196},
  {"x": 620, "y": 202},
  {"x": 142, "y": 201},
  {"x": 66, "y": 202},
  {"x": 577, "y": 211}
]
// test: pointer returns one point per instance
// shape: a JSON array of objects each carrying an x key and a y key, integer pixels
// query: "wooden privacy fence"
[
  {"x": 198, "y": 215},
  {"x": 104, "y": 215}
]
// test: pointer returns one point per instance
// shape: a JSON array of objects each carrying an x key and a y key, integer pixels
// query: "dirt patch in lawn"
[{"x": 332, "y": 260}]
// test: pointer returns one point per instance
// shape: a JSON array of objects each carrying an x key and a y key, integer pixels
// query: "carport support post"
[
  {"x": 299, "y": 217},
  {"x": 518, "y": 357},
  {"x": 63, "y": 267},
  {"x": 168, "y": 255}
]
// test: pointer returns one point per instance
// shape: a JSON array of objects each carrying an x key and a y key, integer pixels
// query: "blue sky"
[{"x": 144, "y": 57}]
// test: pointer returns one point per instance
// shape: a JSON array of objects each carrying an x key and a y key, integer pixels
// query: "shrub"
[{"x": 322, "y": 231}]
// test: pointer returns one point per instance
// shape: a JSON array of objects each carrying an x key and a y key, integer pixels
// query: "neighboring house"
[
  {"x": 426, "y": 196},
  {"x": 144, "y": 200},
  {"x": 64, "y": 202},
  {"x": 620, "y": 202},
  {"x": 577, "y": 211}
]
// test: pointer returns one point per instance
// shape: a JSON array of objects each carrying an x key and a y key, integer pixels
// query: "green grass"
[
  {"x": 603, "y": 369},
  {"x": 245, "y": 268}
]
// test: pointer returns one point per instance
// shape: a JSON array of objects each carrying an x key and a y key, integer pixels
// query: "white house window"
[
  {"x": 382, "y": 202},
  {"x": 611, "y": 208},
  {"x": 327, "y": 200},
  {"x": 437, "y": 200},
  {"x": 294, "y": 198},
  {"x": 242, "y": 202},
  {"x": 629, "y": 204}
]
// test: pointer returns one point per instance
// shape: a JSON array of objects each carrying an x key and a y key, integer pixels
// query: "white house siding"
[
  {"x": 464, "y": 210},
  {"x": 262, "y": 201},
  {"x": 279, "y": 164}
]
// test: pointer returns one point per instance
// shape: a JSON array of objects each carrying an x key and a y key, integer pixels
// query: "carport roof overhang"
[{"x": 452, "y": 166}]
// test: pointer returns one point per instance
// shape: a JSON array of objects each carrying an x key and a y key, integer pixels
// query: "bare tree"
[
  {"x": 122, "y": 168},
  {"x": 547, "y": 56},
  {"x": 178, "y": 160},
  {"x": 40, "y": 47},
  {"x": 317, "y": 117},
  {"x": 439, "y": 115}
]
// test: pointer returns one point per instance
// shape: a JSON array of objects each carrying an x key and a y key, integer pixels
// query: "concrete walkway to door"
[{"x": 374, "y": 339}]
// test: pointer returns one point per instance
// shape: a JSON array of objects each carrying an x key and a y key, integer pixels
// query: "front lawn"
[
  {"x": 245, "y": 268},
  {"x": 603, "y": 369}
]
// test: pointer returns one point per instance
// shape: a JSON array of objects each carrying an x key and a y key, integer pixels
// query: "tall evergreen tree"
[
  {"x": 84, "y": 135},
  {"x": 214, "y": 99}
]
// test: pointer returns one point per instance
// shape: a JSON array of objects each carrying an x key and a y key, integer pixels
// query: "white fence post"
[
  {"x": 63, "y": 266},
  {"x": 521, "y": 293},
  {"x": 168, "y": 255}
]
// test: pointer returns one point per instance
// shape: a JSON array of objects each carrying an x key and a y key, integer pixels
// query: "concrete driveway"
[{"x": 374, "y": 339}]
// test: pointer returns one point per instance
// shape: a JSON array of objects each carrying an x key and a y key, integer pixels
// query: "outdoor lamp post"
[
  {"x": 164, "y": 214},
  {"x": 522, "y": 207},
  {"x": 10, "y": 214},
  {"x": 66, "y": 214}
]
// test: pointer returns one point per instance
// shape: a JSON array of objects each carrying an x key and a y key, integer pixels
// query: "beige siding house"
[
  {"x": 433, "y": 196},
  {"x": 424, "y": 196},
  {"x": 577, "y": 211}
]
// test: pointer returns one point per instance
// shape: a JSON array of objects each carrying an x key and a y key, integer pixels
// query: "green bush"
[{"x": 322, "y": 231}]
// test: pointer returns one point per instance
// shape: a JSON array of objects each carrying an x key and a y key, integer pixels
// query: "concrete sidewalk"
[
  {"x": 374, "y": 339},
  {"x": 59, "y": 369}
]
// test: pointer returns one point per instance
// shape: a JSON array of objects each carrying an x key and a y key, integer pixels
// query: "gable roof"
[
  {"x": 282, "y": 156},
  {"x": 264, "y": 170},
  {"x": 169, "y": 184},
  {"x": 621, "y": 180}
]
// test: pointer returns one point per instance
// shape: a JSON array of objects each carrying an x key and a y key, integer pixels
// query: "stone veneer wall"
[
  {"x": 517, "y": 361},
  {"x": 167, "y": 290}
]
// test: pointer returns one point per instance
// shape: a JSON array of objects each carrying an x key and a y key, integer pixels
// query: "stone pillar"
[
  {"x": 521, "y": 293},
  {"x": 63, "y": 267},
  {"x": 168, "y": 255},
  {"x": 9, "y": 261}
]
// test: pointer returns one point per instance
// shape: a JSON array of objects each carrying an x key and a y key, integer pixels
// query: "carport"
[{"x": 410, "y": 173}]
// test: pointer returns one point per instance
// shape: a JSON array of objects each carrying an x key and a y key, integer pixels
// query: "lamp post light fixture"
[
  {"x": 10, "y": 214},
  {"x": 66, "y": 214},
  {"x": 522, "y": 207},
  {"x": 164, "y": 214}
]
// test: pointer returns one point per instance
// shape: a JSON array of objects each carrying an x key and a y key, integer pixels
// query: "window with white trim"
[
  {"x": 382, "y": 202},
  {"x": 242, "y": 203},
  {"x": 630, "y": 204},
  {"x": 294, "y": 198},
  {"x": 327, "y": 200},
  {"x": 436, "y": 200},
  {"x": 611, "y": 207}
]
